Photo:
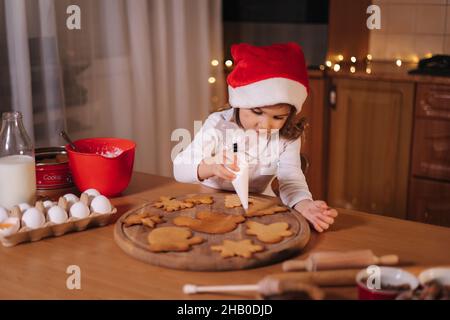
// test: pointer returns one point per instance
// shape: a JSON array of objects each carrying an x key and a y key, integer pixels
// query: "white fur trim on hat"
[{"x": 268, "y": 92}]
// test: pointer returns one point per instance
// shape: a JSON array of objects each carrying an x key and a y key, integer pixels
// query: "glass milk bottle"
[{"x": 17, "y": 164}]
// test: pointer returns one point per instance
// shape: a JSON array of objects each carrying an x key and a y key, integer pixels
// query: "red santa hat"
[{"x": 267, "y": 75}]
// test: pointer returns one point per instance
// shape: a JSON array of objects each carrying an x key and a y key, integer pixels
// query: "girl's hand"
[
  {"x": 317, "y": 213},
  {"x": 214, "y": 167}
]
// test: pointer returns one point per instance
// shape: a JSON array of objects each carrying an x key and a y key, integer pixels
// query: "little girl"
[{"x": 266, "y": 89}]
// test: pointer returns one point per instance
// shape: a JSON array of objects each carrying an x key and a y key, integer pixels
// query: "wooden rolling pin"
[
  {"x": 286, "y": 284},
  {"x": 267, "y": 287},
  {"x": 339, "y": 260}
]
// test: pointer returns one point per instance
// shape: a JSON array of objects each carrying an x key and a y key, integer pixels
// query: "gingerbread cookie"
[
  {"x": 210, "y": 222},
  {"x": 171, "y": 204},
  {"x": 268, "y": 233},
  {"x": 264, "y": 208},
  {"x": 233, "y": 201},
  {"x": 172, "y": 239},
  {"x": 243, "y": 248},
  {"x": 200, "y": 199},
  {"x": 145, "y": 218}
]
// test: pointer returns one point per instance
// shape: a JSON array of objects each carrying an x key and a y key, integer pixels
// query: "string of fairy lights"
[
  {"x": 338, "y": 62},
  {"x": 215, "y": 79},
  {"x": 215, "y": 63}
]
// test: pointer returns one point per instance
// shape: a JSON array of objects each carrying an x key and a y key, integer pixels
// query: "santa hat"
[{"x": 268, "y": 75}]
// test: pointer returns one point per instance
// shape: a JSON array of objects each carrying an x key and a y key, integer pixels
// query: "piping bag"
[{"x": 240, "y": 183}]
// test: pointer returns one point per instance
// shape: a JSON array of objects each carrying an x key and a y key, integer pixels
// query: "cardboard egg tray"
[{"x": 50, "y": 229}]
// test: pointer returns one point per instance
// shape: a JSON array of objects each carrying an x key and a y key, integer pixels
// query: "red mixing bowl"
[{"x": 105, "y": 164}]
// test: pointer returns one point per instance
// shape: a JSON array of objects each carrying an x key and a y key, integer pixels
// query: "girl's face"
[{"x": 265, "y": 118}]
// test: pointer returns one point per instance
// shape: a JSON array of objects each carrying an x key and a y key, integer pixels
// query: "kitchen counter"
[{"x": 38, "y": 270}]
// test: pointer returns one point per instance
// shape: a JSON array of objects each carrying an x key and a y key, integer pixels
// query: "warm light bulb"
[
  {"x": 369, "y": 56},
  {"x": 322, "y": 67},
  {"x": 211, "y": 79},
  {"x": 353, "y": 59},
  {"x": 328, "y": 63},
  {"x": 352, "y": 69},
  {"x": 368, "y": 70},
  {"x": 398, "y": 62},
  {"x": 228, "y": 63},
  {"x": 340, "y": 57},
  {"x": 214, "y": 63},
  {"x": 336, "y": 67}
]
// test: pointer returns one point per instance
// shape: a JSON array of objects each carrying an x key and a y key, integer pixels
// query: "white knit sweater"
[{"x": 284, "y": 164}]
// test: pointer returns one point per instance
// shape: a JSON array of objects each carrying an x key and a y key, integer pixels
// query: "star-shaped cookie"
[
  {"x": 170, "y": 204},
  {"x": 244, "y": 248}
]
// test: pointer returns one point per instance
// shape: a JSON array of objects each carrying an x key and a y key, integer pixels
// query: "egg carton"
[{"x": 51, "y": 229}]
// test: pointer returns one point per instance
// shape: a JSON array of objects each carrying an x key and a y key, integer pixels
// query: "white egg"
[
  {"x": 33, "y": 218},
  {"x": 48, "y": 204},
  {"x": 9, "y": 226},
  {"x": 92, "y": 192},
  {"x": 101, "y": 204},
  {"x": 79, "y": 210},
  {"x": 57, "y": 214},
  {"x": 24, "y": 207},
  {"x": 3, "y": 214},
  {"x": 71, "y": 198}
]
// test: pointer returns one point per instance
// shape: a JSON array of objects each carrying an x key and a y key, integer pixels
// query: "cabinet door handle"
[{"x": 332, "y": 97}]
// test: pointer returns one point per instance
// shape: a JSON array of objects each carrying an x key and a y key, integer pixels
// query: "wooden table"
[{"x": 38, "y": 270}]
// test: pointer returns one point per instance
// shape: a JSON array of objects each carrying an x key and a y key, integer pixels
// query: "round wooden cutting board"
[{"x": 133, "y": 239}]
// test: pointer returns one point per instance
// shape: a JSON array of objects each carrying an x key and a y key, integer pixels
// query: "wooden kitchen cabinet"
[
  {"x": 431, "y": 148},
  {"x": 314, "y": 143},
  {"x": 314, "y": 146},
  {"x": 369, "y": 146},
  {"x": 429, "y": 192},
  {"x": 429, "y": 202}
]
